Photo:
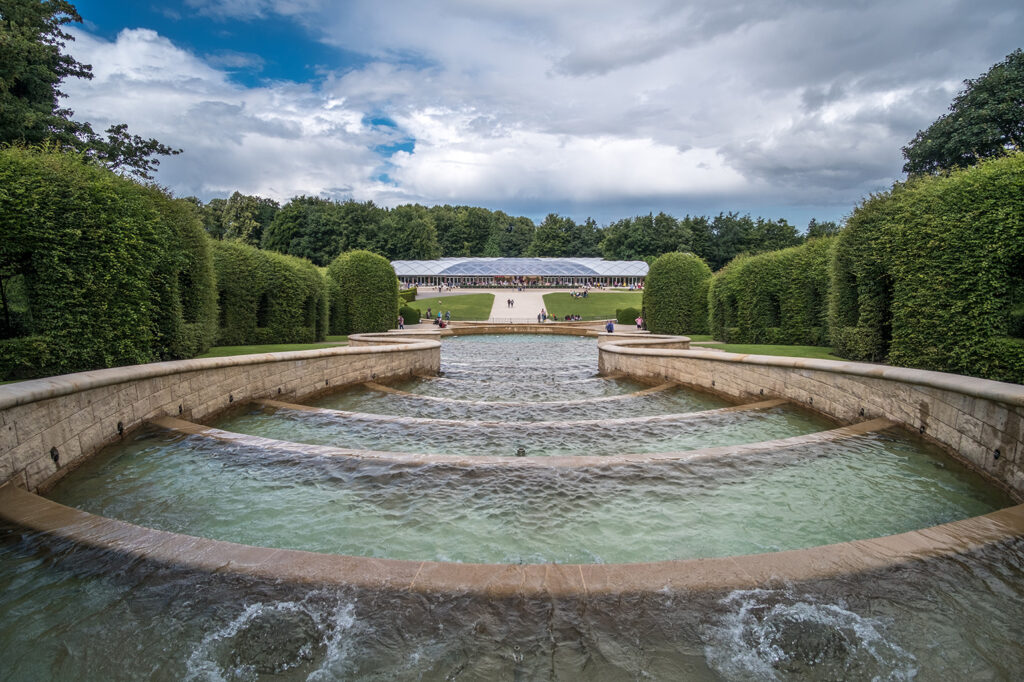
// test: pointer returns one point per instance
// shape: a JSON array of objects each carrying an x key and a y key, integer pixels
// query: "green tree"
[
  {"x": 245, "y": 217},
  {"x": 826, "y": 228},
  {"x": 985, "y": 120},
  {"x": 553, "y": 237},
  {"x": 411, "y": 234},
  {"x": 32, "y": 67},
  {"x": 308, "y": 227}
]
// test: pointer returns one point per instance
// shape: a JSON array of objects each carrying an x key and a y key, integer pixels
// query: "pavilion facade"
[{"x": 514, "y": 272}]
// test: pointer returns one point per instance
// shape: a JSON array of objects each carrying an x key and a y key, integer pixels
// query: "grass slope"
[
  {"x": 464, "y": 307},
  {"x": 225, "y": 351},
  {"x": 599, "y": 306}
]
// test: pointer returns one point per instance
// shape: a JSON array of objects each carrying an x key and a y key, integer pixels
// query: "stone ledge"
[{"x": 504, "y": 580}]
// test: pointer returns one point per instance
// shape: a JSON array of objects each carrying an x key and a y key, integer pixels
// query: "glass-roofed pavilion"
[{"x": 538, "y": 272}]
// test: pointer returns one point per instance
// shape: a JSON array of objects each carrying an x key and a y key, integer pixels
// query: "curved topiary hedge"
[
  {"x": 627, "y": 315},
  {"x": 366, "y": 293},
  {"x": 267, "y": 297},
  {"x": 96, "y": 270},
  {"x": 780, "y": 297},
  {"x": 675, "y": 299},
  {"x": 932, "y": 274},
  {"x": 411, "y": 315}
]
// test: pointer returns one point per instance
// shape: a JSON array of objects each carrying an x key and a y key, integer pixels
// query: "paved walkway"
[{"x": 526, "y": 304}]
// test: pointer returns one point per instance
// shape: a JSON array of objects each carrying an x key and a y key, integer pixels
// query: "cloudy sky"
[{"x": 605, "y": 108}]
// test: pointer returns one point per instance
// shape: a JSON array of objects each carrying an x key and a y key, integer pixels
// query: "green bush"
[
  {"x": 267, "y": 298},
  {"x": 675, "y": 299},
  {"x": 778, "y": 297},
  {"x": 931, "y": 274},
  {"x": 408, "y": 295},
  {"x": 366, "y": 295},
  {"x": 95, "y": 269},
  {"x": 627, "y": 315},
  {"x": 410, "y": 314}
]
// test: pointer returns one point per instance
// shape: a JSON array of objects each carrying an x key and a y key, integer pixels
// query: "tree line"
[{"x": 319, "y": 229}]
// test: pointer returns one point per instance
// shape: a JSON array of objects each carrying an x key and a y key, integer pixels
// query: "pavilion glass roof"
[{"x": 520, "y": 267}]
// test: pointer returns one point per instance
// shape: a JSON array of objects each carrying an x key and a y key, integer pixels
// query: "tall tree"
[
  {"x": 827, "y": 228},
  {"x": 986, "y": 119},
  {"x": 309, "y": 227},
  {"x": 245, "y": 217},
  {"x": 553, "y": 237},
  {"x": 411, "y": 234},
  {"x": 32, "y": 67}
]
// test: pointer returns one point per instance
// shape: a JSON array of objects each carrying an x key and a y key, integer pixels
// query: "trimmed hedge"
[
  {"x": 408, "y": 295},
  {"x": 366, "y": 293},
  {"x": 627, "y": 315},
  {"x": 97, "y": 270},
  {"x": 780, "y": 297},
  {"x": 267, "y": 298},
  {"x": 409, "y": 314},
  {"x": 675, "y": 299},
  {"x": 932, "y": 274}
]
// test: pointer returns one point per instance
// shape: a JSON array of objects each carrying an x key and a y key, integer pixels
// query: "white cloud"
[{"x": 652, "y": 104}]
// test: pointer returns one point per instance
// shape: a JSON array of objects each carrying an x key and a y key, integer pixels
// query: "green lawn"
[
  {"x": 464, "y": 307},
  {"x": 599, "y": 306},
  {"x": 818, "y": 352},
  {"x": 225, "y": 351}
]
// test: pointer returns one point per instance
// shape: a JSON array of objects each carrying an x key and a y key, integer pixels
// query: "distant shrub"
[
  {"x": 627, "y": 315},
  {"x": 410, "y": 314},
  {"x": 675, "y": 299},
  {"x": 408, "y": 295},
  {"x": 366, "y": 295}
]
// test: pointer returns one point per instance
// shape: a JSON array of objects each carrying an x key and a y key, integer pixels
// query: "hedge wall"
[
  {"x": 946, "y": 256},
  {"x": 675, "y": 299},
  {"x": 780, "y": 297},
  {"x": 365, "y": 293},
  {"x": 266, "y": 297},
  {"x": 96, "y": 270}
]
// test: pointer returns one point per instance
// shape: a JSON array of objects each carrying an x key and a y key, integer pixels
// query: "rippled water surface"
[{"x": 77, "y": 614}]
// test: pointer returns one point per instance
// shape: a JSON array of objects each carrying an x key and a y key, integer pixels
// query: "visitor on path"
[
  {"x": 538, "y": 318},
  {"x": 447, "y": 316},
  {"x": 610, "y": 327},
  {"x": 401, "y": 322},
  {"x": 639, "y": 323}
]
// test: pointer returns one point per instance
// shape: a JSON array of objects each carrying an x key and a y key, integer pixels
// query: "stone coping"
[
  {"x": 612, "y": 421},
  {"x": 507, "y": 580},
  {"x": 517, "y": 403},
  {"x": 25, "y": 392},
  {"x": 1012, "y": 394},
  {"x": 491, "y": 461}
]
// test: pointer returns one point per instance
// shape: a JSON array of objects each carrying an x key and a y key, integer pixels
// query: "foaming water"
[{"x": 776, "y": 635}]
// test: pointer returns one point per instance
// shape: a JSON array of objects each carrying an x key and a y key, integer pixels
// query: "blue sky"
[{"x": 580, "y": 107}]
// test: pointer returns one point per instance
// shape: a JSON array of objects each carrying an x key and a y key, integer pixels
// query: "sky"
[{"x": 793, "y": 109}]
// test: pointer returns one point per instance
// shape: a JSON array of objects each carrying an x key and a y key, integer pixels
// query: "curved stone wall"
[
  {"x": 980, "y": 421},
  {"x": 48, "y": 426}
]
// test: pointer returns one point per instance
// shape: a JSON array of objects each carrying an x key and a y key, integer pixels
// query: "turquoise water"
[
  {"x": 69, "y": 613},
  {"x": 859, "y": 488}
]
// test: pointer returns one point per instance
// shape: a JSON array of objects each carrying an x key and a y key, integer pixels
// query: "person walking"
[
  {"x": 610, "y": 327},
  {"x": 401, "y": 322}
]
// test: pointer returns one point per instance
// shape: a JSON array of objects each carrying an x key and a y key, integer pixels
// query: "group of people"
[{"x": 509, "y": 303}]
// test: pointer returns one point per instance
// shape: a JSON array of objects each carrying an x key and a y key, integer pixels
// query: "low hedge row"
[{"x": 627, "y": 315}]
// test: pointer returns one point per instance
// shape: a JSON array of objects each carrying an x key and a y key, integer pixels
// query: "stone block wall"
[
  {"x": 48, "y": 426},
  {"x": 980, "y": 421}
]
